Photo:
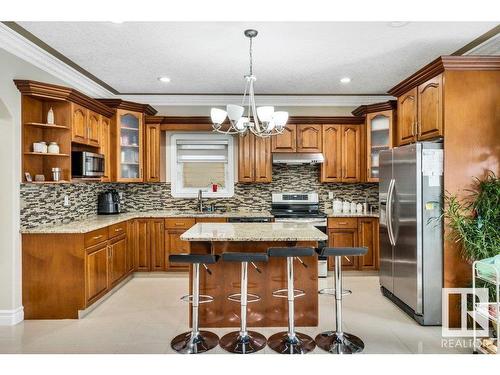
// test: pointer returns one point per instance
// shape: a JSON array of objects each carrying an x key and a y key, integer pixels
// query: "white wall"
[{"x": 11, "y": 68}]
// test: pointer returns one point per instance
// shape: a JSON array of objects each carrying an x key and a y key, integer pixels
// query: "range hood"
[{"x": 297, "y": 158}]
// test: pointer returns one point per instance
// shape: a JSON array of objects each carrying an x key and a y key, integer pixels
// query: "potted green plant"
[{"x": 474, "y": 222}]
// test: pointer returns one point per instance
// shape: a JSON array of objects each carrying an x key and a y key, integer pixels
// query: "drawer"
[
  {"x": 117, "y": 229},
  {"x": 179, "y": 222},
  {"x": 343, "y": 222},
  {"x": 211, "y": 220},
  {"x": 95, "y": 237}
]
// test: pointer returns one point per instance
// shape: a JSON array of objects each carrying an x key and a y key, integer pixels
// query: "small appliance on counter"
[{"x": 108, "y": 203}]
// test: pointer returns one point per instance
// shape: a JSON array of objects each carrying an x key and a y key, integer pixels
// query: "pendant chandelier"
[{"x": 261, "y": 121}]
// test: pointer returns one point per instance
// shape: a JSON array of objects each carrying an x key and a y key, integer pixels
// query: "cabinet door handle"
[
  {"x": 118, "y": 229},
  {"x": 342, "y": 223},
  {"x": 97, "y": 237},
  {"x": 179, "y": 224}
]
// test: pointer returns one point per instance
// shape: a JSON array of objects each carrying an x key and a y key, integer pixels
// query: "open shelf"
[
  {"x": 47, "y": 126},
  {"x": 45, "y": 154}
]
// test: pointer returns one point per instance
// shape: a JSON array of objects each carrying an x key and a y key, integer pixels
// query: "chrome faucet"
[{"x": 200, "y": 200}]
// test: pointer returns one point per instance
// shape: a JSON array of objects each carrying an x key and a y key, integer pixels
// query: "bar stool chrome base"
[
  {"x": 186, "y": 343},
  {"x": 234, "y": 342},
  {"x": 339, "y": 343},
  {"x": 282, "y": 343}
]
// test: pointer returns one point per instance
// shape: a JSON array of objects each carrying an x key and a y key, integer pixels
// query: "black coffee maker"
[{"x": 108, "y": 203}]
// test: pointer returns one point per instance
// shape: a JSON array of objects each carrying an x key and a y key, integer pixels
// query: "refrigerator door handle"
[{"x": 390, "y": 194}]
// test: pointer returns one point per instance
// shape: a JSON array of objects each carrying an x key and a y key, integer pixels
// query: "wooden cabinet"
[
  {"x": 420, "y": 112},
  {"x": 351, "y": 153},
  {"x": 352, "y": 232},
  {"x": 93, "y": 129},
  {"x": 368, "y": 236},
  {"x": 152, "y": 153},
  {"x": 254, "y": 159},
  {"x": 105, "y": 149},
  {"x": 287, "y": 141},
  {"x": 379, "y": 129},
  {"x": 78, "y": 123},
  {"x": 85, "y": 126},
  {"x": 142, "y": 252},
  {"x": 118, "y": 259},
  {"x": 156, "y": 243},
  {"x": 309, "y": 138},
  {"x": 96, "y": 272},
  {"x": 343, "y": 152},
  {"x": 173, "y": 243},
  {"x": 430, "y": 109},
  {"x": 127, "y": 136}
]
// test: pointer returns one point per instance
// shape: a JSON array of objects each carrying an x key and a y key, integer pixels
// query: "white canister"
[
  {"x": 346, "y": 207},
  {"x": 353, "y": 207},
  {"x": 337, "y": 205},
  {"x": 359, "y": 208},
  {"x": 53, "y": 148},
  {"x": 41, "y": 147}
]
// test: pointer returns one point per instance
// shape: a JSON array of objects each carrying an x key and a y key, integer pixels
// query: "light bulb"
[
  {"x": 234, "y": 112},
  {"x": 218, "y": 115},
  {"x": 265, "y": 113}
]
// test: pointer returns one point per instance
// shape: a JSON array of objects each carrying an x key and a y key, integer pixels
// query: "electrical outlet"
[
  {"x": 330, "y": 195},
  {"x": 66, "y": 201},
  {"x": 120, "y": 194}
]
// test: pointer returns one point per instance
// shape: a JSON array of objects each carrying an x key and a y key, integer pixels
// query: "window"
[{"x": 197, "y": 161}]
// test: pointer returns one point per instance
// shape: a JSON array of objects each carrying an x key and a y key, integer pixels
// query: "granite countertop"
[
  {"x": 330, "y": 213},
  {"x": 100, "y": 221},
  {"x": 253, "y": 232}
]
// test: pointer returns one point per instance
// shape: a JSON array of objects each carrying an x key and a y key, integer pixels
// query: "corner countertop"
[
  {"x": 253, "y": 232},
  {"x": 330, "y": 213},
  {"x": 92, "y": 223}
]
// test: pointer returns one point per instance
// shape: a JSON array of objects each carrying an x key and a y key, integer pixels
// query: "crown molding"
[
  {"x": 131, "y": 106},
  {"x": 19, "y": 46},
  {"x": 442, "y": 63},
  {"x": 362, "y": 110},
  {"x": 276, "y": 100}
]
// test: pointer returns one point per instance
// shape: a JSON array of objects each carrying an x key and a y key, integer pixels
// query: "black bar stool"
[
  {"x": 195, "y": 341},
  {"x": 290, "y": 342},
  {"x": 244, "y": 341},
  {"x": 338, "y": 341}
]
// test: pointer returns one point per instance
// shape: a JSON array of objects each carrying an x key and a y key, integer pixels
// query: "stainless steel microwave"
[{"x": 87, "y": 164}]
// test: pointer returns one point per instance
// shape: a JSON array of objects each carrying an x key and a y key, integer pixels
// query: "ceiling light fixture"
[
  {"x": 261, "y": 121},
  {"x": 164, "y": 79},
  {"x": 345, "y": 80}
]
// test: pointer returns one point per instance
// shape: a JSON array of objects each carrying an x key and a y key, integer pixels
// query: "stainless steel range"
[{"x": 301, "y": 208}]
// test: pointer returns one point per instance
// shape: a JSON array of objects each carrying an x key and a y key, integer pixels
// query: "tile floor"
[{"x": 146, "y": 313}]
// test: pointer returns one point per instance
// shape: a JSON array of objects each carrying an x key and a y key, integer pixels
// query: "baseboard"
[{"x": 11, "y": 317}]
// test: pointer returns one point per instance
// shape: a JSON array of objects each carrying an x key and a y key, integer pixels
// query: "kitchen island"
[{"x": 225, "y": 277}]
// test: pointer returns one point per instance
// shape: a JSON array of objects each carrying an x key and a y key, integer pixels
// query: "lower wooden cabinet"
[
  {"x": 173, "y": 243},
  {"x": 156, "y": 244},
  {"x": 149, "y": 245},
  {"x": 118, "y": 253},
  {"x": 352, "y": 232},
  {"x": 96, "y": 272}
]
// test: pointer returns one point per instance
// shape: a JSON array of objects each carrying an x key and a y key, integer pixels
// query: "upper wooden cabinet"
[
  {"x": 254, "y": 159},
  {"x": 299, "y": 138},
  {"x": 287, "y": 141},
  {"x": 380, "y": 124},
  {"x": 128, "y": 137},
  {"x": 152, "y": 153},
  {"x": 343, "y": 152},
  {"x": 407, "y": 118},
  {"x": 105, "y": 148},
  {"x": 309, "y": 138},
  {"x": 430, "y": 109},
  {"x": 85, "y": 126}
]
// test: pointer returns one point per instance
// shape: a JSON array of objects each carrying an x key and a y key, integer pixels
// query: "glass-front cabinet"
[
  {"x": 129, "y": 146},
  {"x": 379, "y": 137}
]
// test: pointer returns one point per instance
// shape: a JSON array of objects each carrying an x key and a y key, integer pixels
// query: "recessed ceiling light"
[
  {"x": 164, "y": 79},
  {"x": 117, "y": 22},
  {"x": 345, "y": 80},
  {"x": 398, "y": 24}
]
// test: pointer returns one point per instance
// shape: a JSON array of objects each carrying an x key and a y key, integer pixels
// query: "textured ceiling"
[{"x": 289, "y": 58}]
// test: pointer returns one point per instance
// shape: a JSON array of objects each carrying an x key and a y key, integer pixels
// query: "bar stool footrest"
[
  {"x": 331, "y": 292},
  {"x": 203, "y": 298},
  {"x": 236, "y": 297},
  {"x": 283, "y": 293}
]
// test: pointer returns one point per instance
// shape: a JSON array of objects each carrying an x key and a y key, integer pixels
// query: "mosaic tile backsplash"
[{"x": 43, "y": 204}]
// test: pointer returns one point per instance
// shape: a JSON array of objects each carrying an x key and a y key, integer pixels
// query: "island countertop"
[{"x": 253, "y": 232}]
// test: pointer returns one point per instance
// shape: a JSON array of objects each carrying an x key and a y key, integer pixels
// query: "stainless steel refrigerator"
[{"x": 411, "y": 233}]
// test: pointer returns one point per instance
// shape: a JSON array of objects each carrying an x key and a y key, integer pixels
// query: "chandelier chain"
[{"x": 251, "y": 58}]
